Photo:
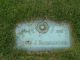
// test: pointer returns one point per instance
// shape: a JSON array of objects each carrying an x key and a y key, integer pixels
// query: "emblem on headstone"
[{"x": 42, "y": 27}]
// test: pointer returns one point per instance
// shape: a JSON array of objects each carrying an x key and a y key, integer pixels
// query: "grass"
[{"x": 15, "y": 11}]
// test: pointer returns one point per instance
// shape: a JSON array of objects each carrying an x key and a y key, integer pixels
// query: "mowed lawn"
[{"x": 15, "y": 11}]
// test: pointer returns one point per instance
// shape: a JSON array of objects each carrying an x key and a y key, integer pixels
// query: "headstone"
[{"x": 42, "y": 36}]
